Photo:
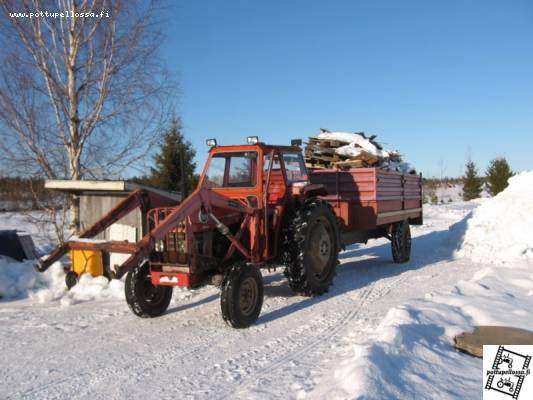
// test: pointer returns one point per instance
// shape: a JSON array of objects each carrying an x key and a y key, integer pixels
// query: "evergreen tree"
[
  {"x": 498, "y": 174},
  {"x": 168, "y": 162},
  {"x": 472, "y": 184}
]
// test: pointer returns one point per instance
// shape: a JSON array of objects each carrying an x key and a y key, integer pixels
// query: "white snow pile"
[
  {"x": 20, "y": 280},
  {"x": 359, "y": 143},
  {"x": 500, "y": 228},
  {"x": 411, "y": 352}
]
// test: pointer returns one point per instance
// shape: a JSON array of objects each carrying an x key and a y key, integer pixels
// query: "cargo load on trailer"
[{"x": 352, "y": 150}]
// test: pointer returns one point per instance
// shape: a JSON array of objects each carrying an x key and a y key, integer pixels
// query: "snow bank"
[
  {"x": 20, "y": 280},
  {"x": 500, "y": 229},
  {"x": 411, "y": 354}
]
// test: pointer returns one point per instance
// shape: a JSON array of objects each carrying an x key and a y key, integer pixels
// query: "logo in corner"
[{"x": 506, "y": 370}]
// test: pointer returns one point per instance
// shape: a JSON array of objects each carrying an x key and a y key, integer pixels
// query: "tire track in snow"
[
  {"x": 321, "y": 341},
  {"x": 68, "y": 384},
  {"x": 250, "y": 366},
  {"x": 284, "y": 350}
]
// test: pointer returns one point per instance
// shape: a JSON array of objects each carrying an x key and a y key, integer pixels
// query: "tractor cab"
[
  {"x": 258, "y": 173},
  {"x": 263, "y": 177}
]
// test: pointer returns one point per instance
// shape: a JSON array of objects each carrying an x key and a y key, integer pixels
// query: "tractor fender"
[{"x": 313, "y": 190}]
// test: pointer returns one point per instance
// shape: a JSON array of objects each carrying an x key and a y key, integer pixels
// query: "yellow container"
[{"x": 87, "y": 262}]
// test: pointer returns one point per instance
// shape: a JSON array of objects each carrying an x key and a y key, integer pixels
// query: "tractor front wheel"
[
  {"x": 241, "y": 296},
  {"x": 145, "y": 299},
  {"x": 401, "y": 242}
]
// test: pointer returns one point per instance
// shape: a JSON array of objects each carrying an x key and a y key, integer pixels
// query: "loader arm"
[
  {"x": 201, "y": 199},
  {"x": 139, "y": 198}
]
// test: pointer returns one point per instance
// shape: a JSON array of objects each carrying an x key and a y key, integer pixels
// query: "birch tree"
[{"x": 82, "y": 94}]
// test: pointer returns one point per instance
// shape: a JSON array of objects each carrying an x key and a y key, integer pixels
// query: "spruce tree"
[
  {"x": 167, "y": 172},
  {"x": 498, "y": 174},
  {"x": 472, "y": 185}
]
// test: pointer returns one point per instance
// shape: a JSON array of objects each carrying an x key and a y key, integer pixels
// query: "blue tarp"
[{"x": 10, "y": 245}]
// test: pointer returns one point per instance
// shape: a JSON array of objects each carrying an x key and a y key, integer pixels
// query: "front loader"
[{"x": 254, "y": 207}]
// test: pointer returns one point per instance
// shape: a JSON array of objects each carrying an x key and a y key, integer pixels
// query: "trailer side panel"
[{"x": 367, "y": 198}]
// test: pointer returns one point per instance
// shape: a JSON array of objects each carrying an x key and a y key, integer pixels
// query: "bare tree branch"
[{"x": 81, "y": 96}]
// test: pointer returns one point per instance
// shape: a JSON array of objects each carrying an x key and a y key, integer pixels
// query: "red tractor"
[{"x": 255, "y": 206}]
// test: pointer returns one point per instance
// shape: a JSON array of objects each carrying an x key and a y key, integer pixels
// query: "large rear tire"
[
  {"x": 311, "y": 248},
  {"x": 401, "y": 242},
  {"x": 241, "y": 296},
  {"x": 145, "y": 299}
]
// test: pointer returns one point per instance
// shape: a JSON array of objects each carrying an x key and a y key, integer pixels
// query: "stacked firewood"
[{"x": 336, "y": 150}]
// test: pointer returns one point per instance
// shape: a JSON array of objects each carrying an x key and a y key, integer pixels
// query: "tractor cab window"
[
  {"x": 232, "y": 170},
  {"x": 275, "y": 166},
  {"x": 295, "y": 167}
]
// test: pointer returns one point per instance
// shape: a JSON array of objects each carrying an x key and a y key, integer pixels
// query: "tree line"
[{"x": 495, "y": 180}]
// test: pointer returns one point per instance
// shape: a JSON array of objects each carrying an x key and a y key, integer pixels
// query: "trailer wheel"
[
  {"x": 311, "y": 249},
  {"x": 145, "y": 299},
  {"x": 241, "y": 296},
  {"x": 401, "y": 242},
  {"x": 71, "y": 279}
]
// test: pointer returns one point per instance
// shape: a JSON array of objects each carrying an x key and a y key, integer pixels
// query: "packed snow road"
[{"x": 98, "y": 349}]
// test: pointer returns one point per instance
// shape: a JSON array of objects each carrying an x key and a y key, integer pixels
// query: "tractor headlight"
[
  {"x": 211, "y": 142},
  {"x": 252, "y": 139}
]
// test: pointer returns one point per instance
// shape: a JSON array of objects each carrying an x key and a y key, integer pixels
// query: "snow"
[
  {"x": 17, "y": 279},
  {"x": 20, "y": 280},
  {"x": 383, "y": 331},
  {"x": 358, "y": 144},
  {"x": 43, "y": 236},
  {"x": 500, "y": 229}
]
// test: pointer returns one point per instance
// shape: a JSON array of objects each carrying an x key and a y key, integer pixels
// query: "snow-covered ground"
[{"x": 383, "y": 331}]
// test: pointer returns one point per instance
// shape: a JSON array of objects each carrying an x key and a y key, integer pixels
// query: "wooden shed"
[{"x": 97, "y": 198}]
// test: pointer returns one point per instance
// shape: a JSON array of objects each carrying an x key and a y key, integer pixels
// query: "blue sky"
[{"x": 437, "y": 80}]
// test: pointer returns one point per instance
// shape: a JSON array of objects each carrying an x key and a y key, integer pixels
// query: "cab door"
[{"x": 275, "y": 200}]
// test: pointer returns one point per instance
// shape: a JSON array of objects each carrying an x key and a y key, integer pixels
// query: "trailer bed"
[{"x": 365, "y": 199}]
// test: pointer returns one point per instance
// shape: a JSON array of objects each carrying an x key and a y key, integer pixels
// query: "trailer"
[
  {"x": 256, "y": 206},
  {"x": 372, "y": 202}
]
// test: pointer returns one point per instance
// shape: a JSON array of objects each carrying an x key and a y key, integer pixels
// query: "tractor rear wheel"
[
  {"x": 311, "y": 248},
  {"x": 401, "y": 242},
  {"x": 145, "y": 299},
  {"x": 241, "y": 296}
]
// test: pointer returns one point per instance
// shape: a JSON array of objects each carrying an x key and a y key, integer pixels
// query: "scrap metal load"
[{"x": 351, "y": 150}]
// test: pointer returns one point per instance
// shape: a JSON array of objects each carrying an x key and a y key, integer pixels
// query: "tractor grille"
[{"x": 173, "y": 247}]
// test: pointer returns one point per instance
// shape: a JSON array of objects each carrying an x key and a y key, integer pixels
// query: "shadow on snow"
[{"x": 427, "y": 249}]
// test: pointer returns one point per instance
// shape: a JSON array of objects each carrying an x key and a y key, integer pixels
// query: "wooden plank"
[{"x": 349, "y": 164}]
